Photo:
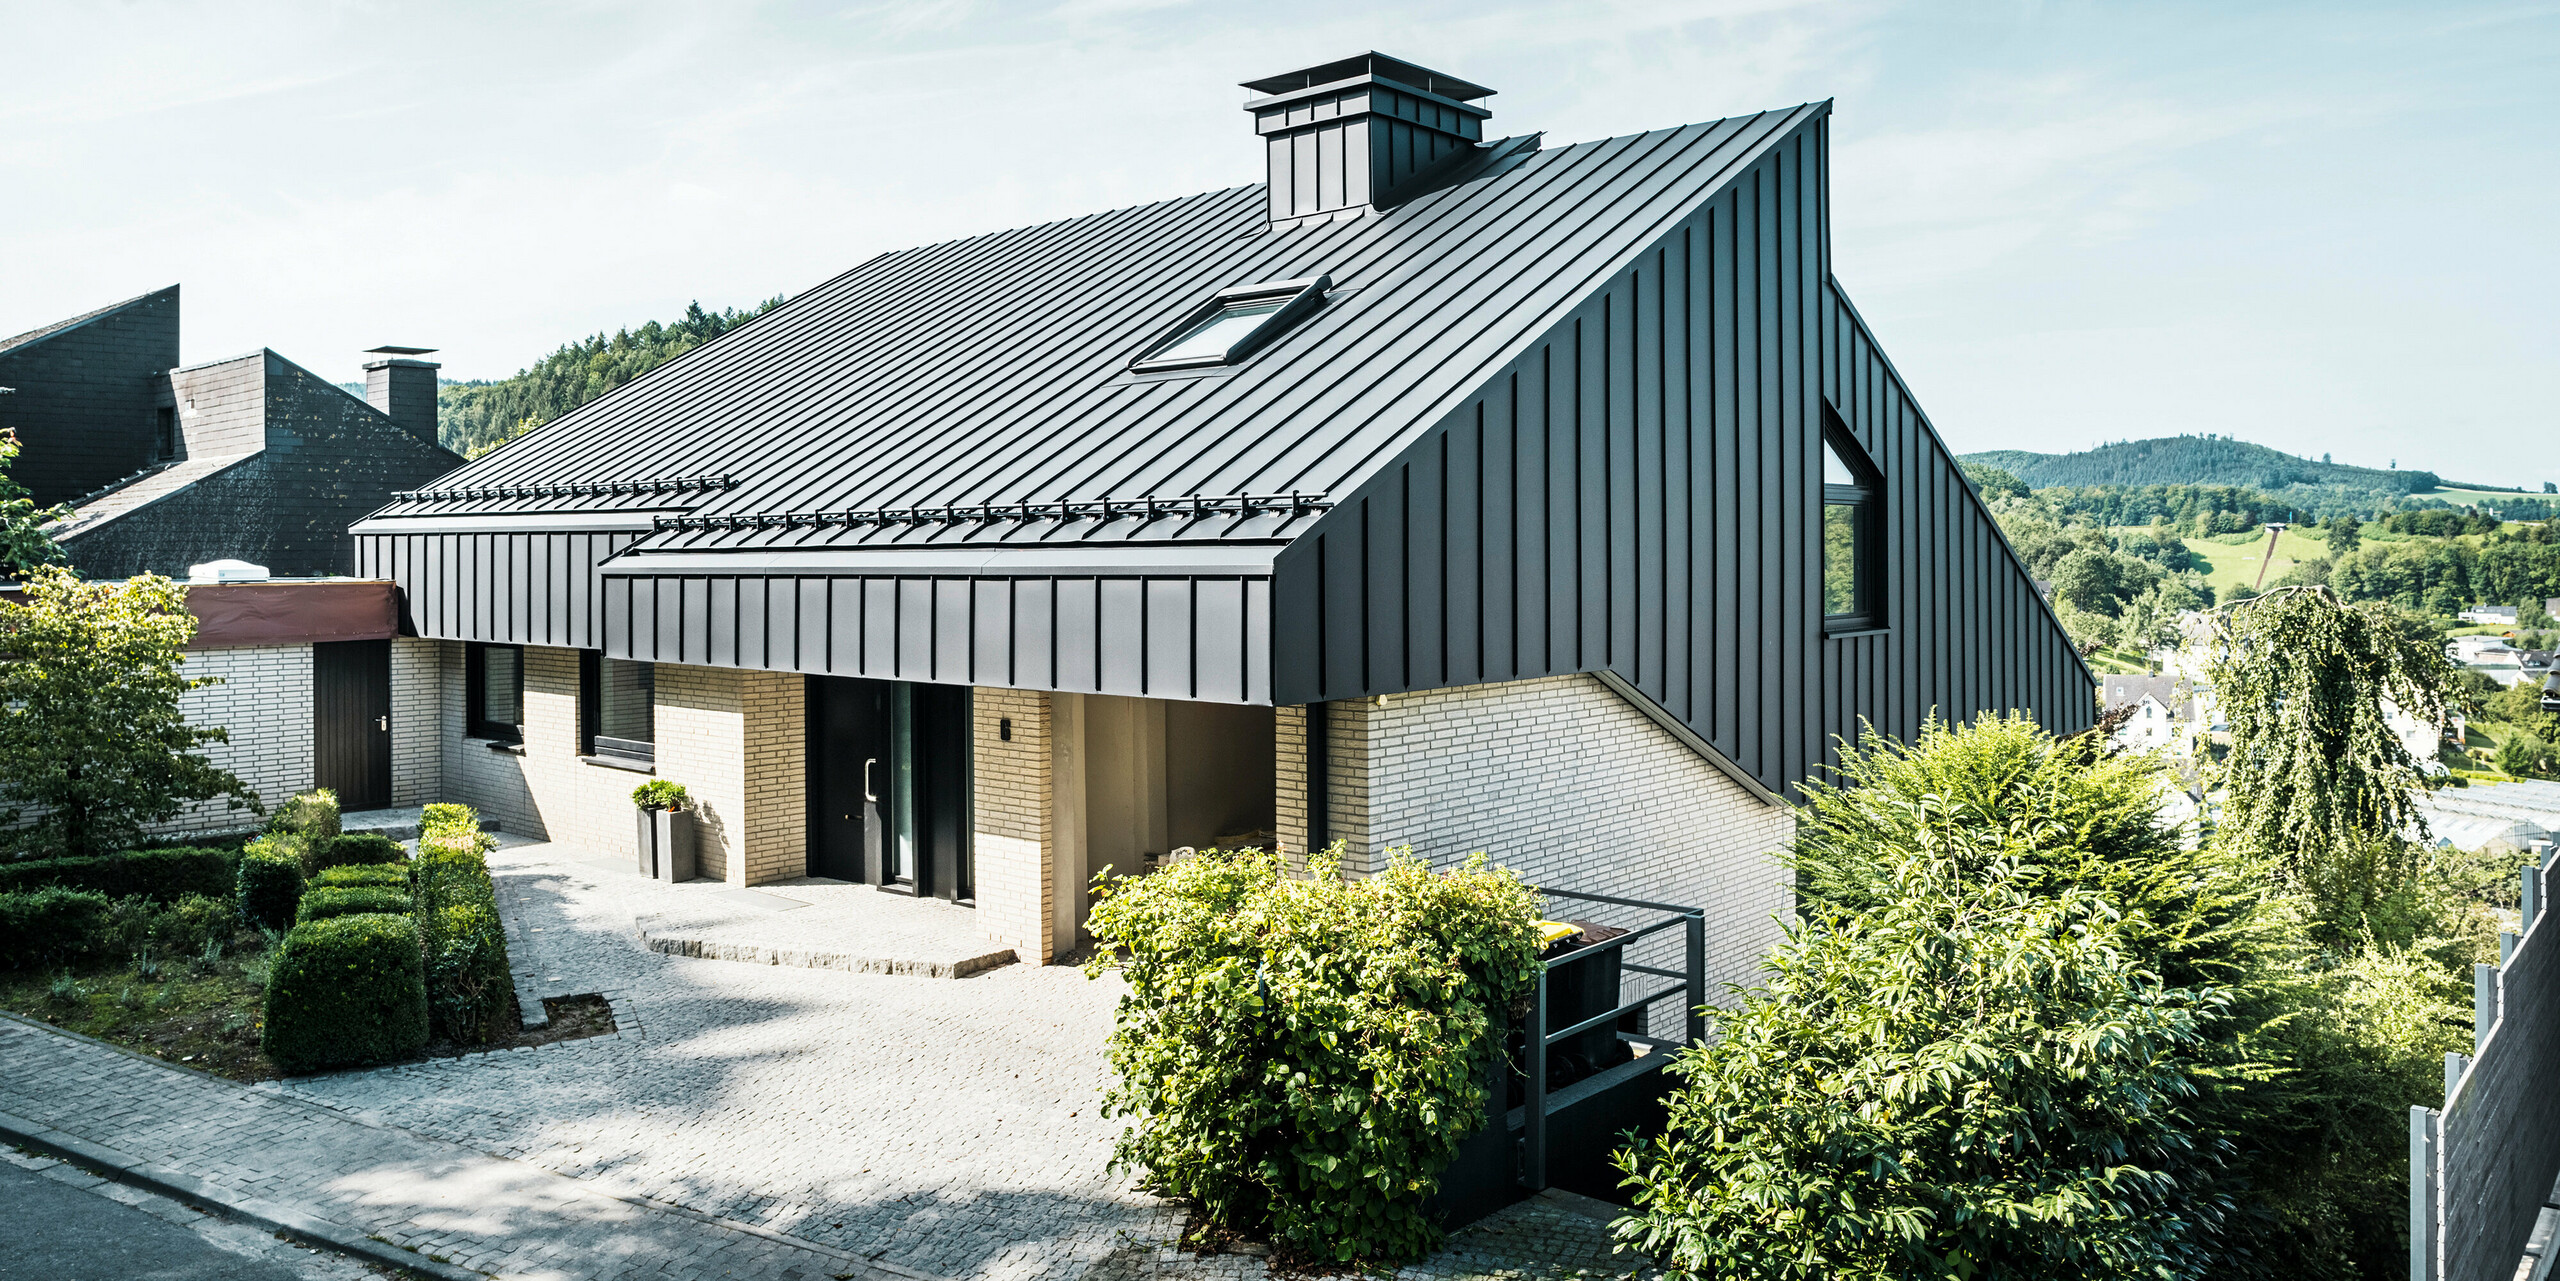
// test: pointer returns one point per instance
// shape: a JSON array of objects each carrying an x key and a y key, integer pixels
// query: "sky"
[{"x": 2324, "y": 227}]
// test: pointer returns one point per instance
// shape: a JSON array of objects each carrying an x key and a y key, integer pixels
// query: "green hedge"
[
  {"x": 269, "y": 886},
  {"x": 347, "y": 991},
  {"x": 395, "y": 875},
  {"x": 321, "y": 902},
  {"x": 312, "y": 816},
  {"x": 355, "y": 847},
  {"x": 50, "y": 925},
  {"x": 164, "y": 875}
]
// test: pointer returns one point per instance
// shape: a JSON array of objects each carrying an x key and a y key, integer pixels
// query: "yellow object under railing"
[{"x": 1551, "y": 933}]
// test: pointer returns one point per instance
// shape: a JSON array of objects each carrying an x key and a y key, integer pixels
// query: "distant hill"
[
  {"x": 2197, "y": 460},
  {"x": 475, "y": 417}
]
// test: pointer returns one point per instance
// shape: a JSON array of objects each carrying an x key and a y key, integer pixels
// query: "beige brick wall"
[
  {"x": 1564, "y": 782},
  {"x": 735, "y": 739},
  {"x": 1014, "y": 836},
  {"x": 1289, "y": 777}
]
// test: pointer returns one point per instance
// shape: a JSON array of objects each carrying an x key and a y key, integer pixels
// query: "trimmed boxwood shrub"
[
  {"x": 471, "y": 993},
  {"x": 321, "y": 902},
  {"x": 164, "y": 875},
  {"x": 270, "y": 885},
  {"x": 346, "y": 991},
  {"x": 313, "y": 816},
  {"x": 50, "y": 925},
  {"x": 356, "y": 847},
  {"x": 395, "y": 875}
]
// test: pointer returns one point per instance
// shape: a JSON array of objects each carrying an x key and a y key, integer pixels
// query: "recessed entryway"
[{"x": 889, "y": 781}]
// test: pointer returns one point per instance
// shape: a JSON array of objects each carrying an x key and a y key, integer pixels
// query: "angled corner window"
[
  {"x": 1233, "y": 324},
  {"x": 1852, "y": 535}
]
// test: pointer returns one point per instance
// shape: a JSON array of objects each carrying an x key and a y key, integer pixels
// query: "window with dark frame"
[
  {"x": 493, "y": 692},
  {"x": 1852, "y": 536},
  {"x": 617, "y": 709},
  {"x": 1233, "y": 324}
]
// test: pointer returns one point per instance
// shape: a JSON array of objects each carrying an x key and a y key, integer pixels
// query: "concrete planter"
[{"x": 666, "y": 845}]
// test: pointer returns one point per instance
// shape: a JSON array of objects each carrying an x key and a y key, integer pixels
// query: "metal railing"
[{"x": 1691, "y": 983}]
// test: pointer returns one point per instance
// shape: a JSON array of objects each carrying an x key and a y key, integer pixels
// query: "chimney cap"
[
  {"x": 1371, "y": 63},
  {"x": 397, "y": 351}
]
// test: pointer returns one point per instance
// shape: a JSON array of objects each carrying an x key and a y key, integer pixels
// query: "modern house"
[
  {"x": 1464, "y": 492},
  {"x": 251, "y": 458},
  {"x": 2490, "y": 615}
]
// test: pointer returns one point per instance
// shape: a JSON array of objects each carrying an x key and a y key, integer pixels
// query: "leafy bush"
[
  {"x": 163, "y": 874},
  {"x": 448, "y": 818},
  {"x": 1978, "y": 1052},
  {"x": 1301, "y": 1057},
  {"x": 322, "y": 902},
  {"x": 356, "y": 847},
  {"x": 394, "y": 875},
  {"x": 270, "y": 884},
  {"x": 189, "y": 926},
  {"x": 50, "y": 925},
  {"x": 313, "y": 816},
  {"x": 472, "y": 994},
  {"x": 659, "y": 794},
  {"x": 346, "y": 991}
]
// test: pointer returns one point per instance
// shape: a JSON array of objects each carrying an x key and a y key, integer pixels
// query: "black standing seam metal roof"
[{"x": 993, "y": 370}]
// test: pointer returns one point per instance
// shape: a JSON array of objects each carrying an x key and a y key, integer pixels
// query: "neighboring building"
[
  {"x": 306, "y": 671},
  {"x": 1547, "y": 501},
  {"x": 2164, "y": 713},
  {"x": 252, "y": 457},
  {"x": 2491, "y": 615}
]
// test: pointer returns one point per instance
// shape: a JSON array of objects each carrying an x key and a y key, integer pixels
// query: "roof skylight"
[{"x": 1233, "y": 324}]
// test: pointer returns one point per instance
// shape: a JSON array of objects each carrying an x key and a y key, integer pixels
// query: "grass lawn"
[
  {"x": 2231, "y": 560},
  {"x": 2120, "y": 662},
  {"x": 186, "y": 1013}
]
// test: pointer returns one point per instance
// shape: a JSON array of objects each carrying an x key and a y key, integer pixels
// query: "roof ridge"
[{"x": 42, "y": 332}]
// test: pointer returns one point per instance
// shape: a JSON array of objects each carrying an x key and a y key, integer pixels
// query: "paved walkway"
[
  {"x": 820, "y": 924},
  {"x": 744, "y": 1120},
  {"x": 66, "y": 1224}
]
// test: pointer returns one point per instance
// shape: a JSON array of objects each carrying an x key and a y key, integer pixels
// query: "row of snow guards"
[
  {"x": 1596, "y": 1072},
  {"x": 2483, "y": 1169}
]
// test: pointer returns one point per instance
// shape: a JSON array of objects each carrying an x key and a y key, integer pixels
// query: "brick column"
[
  {"x": 1289, "y": 779},
  {"x": 417, "y": 721},
  {"x": 1349, "y": 747},
  {"x": 1014, "y": 842}
]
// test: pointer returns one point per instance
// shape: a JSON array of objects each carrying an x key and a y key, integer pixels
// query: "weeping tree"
[{"x": 2316, "y": 781}]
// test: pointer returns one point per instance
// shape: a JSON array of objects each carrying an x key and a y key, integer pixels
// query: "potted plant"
[{"x": 666, "y": 830}]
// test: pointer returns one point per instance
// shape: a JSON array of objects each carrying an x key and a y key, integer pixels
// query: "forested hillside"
[
  {"x": 473, "y": 418},
  {"x": 2197, "y": 460}
]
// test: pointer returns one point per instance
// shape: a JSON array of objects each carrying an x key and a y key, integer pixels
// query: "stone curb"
[
  {"x": 814, "y": 958},
  {"x": 281, "y": 1219}
]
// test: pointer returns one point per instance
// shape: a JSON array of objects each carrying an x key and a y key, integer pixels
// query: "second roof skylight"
[{"x": 1233, "y": 324}]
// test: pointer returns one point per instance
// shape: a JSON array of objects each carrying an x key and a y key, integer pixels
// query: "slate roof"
[
  {"x": 993, "y": 370},
  {"x": 2169, "y": 691},
  {"x": 48, "y": 331}
]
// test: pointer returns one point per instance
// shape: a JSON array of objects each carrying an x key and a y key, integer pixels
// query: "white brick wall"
[
  {"x": 265, "y": 701},
  {"x": 1564, "y": 782},
  {"x": 417, "y": 721}
]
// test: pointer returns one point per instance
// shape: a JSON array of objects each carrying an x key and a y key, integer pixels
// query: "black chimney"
[
  {"x": 403, "y": 387},
  {"x": 1350, "y": 136}
]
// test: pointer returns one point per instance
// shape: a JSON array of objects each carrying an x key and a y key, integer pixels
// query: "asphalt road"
[{"x": 60, "y": 1224}]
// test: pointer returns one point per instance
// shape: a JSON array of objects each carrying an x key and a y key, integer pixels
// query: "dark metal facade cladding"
[
  {"x": 1967, "y": 631},
  {"x": 1189, "y": 637},
  {"x": 510, "y": 587},
  {"x": 1640, "y": 492}
]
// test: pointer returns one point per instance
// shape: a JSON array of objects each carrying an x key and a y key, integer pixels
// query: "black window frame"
[
  {"x": 475, "y": 691},
  {"x": 593, "y": 746},
  {"x": 1302, "y": 297},
  {"x": 1866, "y": 500}
]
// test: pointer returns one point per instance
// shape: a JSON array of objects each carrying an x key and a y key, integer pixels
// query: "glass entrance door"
[{"x": 889, "y": 785}]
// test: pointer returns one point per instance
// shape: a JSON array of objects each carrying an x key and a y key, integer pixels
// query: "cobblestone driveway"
[{"x": 943, "y": 1125}]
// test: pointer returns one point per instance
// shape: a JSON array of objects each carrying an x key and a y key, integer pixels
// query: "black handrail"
[{"x": 1693, "y": 982}]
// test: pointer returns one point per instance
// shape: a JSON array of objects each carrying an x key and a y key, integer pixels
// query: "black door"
[
  {"x": 849, "y": 763},
  {"x": 351, "y": 721}
]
